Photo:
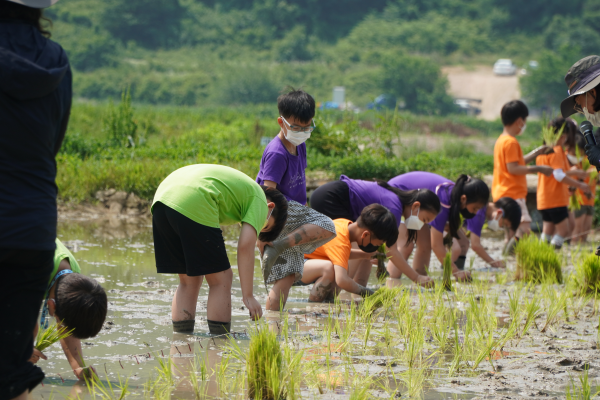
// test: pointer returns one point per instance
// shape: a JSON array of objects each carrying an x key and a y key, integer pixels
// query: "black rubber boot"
[
  {"x": 219, "y": 328},
  {"x": 186, "y": 326}
]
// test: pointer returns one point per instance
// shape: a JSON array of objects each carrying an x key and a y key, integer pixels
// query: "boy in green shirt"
[
  {"x": 188, "y": 209},
  {"x": 77, "y": 302}
]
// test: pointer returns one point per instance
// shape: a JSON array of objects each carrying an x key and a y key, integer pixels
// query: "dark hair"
[
  {"x": 429, "y": 202},
  {"x": 297, "y": 104},
  {"x": 280, "y": 213},
  {"x": 81, "y": 304},
  {"x": 512, "y": 111},
  {"x": 34, "y": 16},
  {"x": 570, "y": 129},
  {"x": 476, "y": 191},
  {"x": 512, "y": 211},
  {"x": 381, "y": 222}
]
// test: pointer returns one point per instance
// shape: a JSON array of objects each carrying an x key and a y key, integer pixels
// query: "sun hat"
[
  {"x": 582, "y": 77},
  {"x": 35, "y": 3}
]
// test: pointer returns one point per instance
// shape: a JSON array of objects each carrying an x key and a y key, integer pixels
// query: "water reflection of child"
[
  {"x": 188, "y": 208},
  {"x": 283, "y": 166},
  {"x": 77, "y": 302},
  {"x": 504, "y": 213},
  {"x": 552, "y": 191},
  {"x": 330, "y": 262}
]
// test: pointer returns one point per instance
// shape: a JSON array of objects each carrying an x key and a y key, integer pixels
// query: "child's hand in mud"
[
  {"x": 498, "y": 264},
  {"x": 83, "y": 373},
  {"x": 253, "y": 307},
  {"x": 462, "y": 276},
  {"x": 425, "y": 281},
  {"x": 36, "y": 355}
]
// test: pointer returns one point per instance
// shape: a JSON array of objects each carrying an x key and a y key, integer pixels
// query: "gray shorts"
[
  {"x": 291, "y": 261},
  {"x": 584, "y": 210}
]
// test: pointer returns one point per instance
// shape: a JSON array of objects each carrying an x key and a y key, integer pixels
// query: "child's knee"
[
  {"x": 329, "y": 272},
  {"x": 223, "y": 278}
]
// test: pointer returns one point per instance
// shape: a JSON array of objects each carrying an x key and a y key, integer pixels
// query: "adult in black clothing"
[{"x": 35, "y": 103}]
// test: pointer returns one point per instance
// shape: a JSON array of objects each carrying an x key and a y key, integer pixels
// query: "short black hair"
[
  {"x": 81, "y": 305},
  {"x": 512, "y": 111},
  {"x": 381, "y": 222},
  {"x": 476, "y": 190},
  {"x": 280, "y": 213},
  {"x": 569, "y": 129},
  {"x": 512, "y": 211},
  {"x": 297, "y": 104}
]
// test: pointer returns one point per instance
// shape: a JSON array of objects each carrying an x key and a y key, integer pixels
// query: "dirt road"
[{"x": 481, "y": 83}]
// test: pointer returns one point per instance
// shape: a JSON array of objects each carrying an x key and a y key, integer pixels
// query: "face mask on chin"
[
  {"x": 413, "y": 222},
  {"x": 369, "y": 248},
  {"x": 296, "y": 138},
  {"x": 573, "y": 159},
  {"x": 522, "y": 130}
]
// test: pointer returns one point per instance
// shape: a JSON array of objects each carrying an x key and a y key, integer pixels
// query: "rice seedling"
[
  {"x": 447, "y": 280},
  {"x": 414, "y": 379},
  {"x": 199, "y": 383},
  {"x": 383, "y": 297},
  {"x": 537, "y": 261},
  {"x": 583, "y": 391},
  {"x": 166, "y": 376},
  {"x": 108, "y": 390},
  {"x": 532, "y": 311},
  {"x": 47, "y": 337},
  {"x": 381, "y": 273},
  {"x": 586, "y": 277},
  {"x": 549, "y": 134},
  {"x": 556, "y": 304}
]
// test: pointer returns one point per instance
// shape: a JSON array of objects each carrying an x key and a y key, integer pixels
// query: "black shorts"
[
  {"x": 333, "y": 200},
  {"x": 183, "y": 246},
  {"x": 555, "y": 215}
]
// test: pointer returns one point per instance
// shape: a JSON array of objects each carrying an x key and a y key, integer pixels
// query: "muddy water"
[{"x": 119, "y": 254}]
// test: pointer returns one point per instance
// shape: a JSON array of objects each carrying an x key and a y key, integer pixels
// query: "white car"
[{"x": 504, "y": 66}]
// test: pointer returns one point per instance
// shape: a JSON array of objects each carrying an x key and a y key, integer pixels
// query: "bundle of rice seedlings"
[
  {"x": 587, "y": 275},
  {"x": 381, "y": 256},
  {"x": 575, "y": 202},
  {"x": 549, "y": 135},
  {"x": 447, "y": 280},
  {"x": 47, "y": 337},
  {"x": 383, "y": 297},
  {"x": 537, "y": 261},
  {"x": 264, "y": 365}
]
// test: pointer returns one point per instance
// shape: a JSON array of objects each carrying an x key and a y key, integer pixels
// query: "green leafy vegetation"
[
  {"x": 47, "y": 337},
  {"x": 204, "y": 52},
  {"x": 537, "y": 261},
  {"x": 587, "y": 275}
]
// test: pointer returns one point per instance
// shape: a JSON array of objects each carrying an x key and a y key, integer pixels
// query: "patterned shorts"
[{"x": 291, "y": 261}]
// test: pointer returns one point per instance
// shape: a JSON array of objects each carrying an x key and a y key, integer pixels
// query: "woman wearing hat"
[{"x": 35, "y": 103}]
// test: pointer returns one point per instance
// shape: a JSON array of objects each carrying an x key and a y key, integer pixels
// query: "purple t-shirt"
[
  {"x": 475, "y": 224},
  {"x": 436, "y": 183},
  {"x": 285, "y": 169},
  {"x": 365, "y": 193}
]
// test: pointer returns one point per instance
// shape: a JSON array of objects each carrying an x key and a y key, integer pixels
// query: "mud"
[{"x": 119, "y": 254}]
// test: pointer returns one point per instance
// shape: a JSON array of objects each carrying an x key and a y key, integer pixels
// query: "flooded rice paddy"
[{"x": 493, "y": 338}]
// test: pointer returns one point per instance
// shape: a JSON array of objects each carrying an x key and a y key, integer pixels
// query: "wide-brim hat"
[
  {"x": 582, "y": 77},
  {"x": 35, "y": 3}
]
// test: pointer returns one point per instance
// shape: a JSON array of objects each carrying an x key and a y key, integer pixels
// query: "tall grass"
[{"x": 537, "y": 261}]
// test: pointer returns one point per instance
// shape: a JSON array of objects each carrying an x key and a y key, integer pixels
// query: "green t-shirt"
[
  {"x": 214, "y": 195},
  {"x": 60, "y": 254}
]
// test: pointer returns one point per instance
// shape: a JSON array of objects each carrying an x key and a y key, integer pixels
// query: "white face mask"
[
  {"x": 574, "y": 160},
  {"x": 494, "y": 224},
  {"x": 413, "y": 222},
  {"x": 296, "y": 138},
  {"x": 593, "y": 118},
  {"x": 522, "y": 129}
]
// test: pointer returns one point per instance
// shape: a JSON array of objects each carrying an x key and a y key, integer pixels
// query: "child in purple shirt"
[
  {"x": 465, "y": 198},
  {"x": 347, "y": 198},
  {"x": 283, "y": 166},
  {"x": 504, "y": 213}
]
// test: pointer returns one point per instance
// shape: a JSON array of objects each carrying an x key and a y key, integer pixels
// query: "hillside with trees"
[{"x": 232, "y": 52}]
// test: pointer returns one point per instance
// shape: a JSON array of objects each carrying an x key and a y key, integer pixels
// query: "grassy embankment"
[{"x": 367, "y": 145}]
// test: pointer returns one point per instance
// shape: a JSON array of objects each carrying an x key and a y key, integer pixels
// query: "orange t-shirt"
[
  {"x": 550, "y": 192},
  {"x": 508, "y": 150},
  {"x": 337, "y": 250},
  {"x": 584, "y": 201}
]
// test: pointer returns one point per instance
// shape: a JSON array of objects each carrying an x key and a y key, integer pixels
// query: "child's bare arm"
[
  {"x": 515, "y": 169},
  {"x": 343, "y": 280},
  {"x": 72, "y": 348},
  {"x": 245, "y": 259}
]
